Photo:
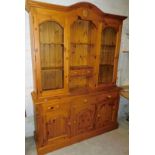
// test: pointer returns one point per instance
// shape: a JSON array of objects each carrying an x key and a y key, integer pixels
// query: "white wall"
[{"x": 119, "y": 7}]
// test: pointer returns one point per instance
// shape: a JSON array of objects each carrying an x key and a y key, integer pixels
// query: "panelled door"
[
  {"x": 106, "y": 113},
  {"x": 56, "y": 121},
  {"x": 82, "y": 116}
]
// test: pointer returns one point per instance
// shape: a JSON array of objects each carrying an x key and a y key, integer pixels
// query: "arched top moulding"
[{"x": 30, "y": 4}]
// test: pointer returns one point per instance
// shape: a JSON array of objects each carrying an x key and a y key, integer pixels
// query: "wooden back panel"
[{"x": 51, "y": 54}]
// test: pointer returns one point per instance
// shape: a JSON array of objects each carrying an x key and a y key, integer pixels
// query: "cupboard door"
[
  {"x": 106, "y": 66},
  {"x": 57, "y": 126},
  {"x": 82, "y": 118},
  {"x": 51, "y": 55},
  {"x": 106, "y": 112}
]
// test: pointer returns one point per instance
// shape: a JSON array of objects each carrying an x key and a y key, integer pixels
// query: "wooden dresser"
[{"x": 75, "y": 52}]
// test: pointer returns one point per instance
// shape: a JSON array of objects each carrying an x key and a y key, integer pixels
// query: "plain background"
[{"x": 141, "y": 77}]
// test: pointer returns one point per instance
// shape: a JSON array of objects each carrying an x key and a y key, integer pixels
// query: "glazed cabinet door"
[
  {"x": 107, "y": 53},
  {"x": 106, "y": 113},
  {"x": 82, "y": 114},
  {"x": 51, "y": 55}
]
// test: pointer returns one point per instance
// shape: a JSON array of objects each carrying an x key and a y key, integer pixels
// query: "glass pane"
[
  {"x": 81, "y": 54},
  {"x": 51, "y": 54},
  {"x": 108, "y": 42}
]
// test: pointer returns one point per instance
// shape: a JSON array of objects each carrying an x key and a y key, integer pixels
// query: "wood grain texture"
[{"x": 75, "y": 53}]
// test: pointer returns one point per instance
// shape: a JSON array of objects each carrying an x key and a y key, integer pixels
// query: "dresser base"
[{"x": 75, "y": 139}]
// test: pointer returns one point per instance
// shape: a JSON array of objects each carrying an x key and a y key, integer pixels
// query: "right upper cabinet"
[{"x": 107, "y": 53}]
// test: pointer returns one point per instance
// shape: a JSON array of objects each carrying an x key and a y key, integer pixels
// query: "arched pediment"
[{"x": 87, "y": 5}]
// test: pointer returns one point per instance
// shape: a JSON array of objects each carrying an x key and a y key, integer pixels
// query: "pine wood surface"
[{"x": 75, "y": 52}]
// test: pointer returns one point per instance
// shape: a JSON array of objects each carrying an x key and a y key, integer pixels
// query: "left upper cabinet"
[{"x": 51, "y": 42}]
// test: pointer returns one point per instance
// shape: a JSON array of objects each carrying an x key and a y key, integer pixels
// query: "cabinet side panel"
[{"x": 32, "y": 50}]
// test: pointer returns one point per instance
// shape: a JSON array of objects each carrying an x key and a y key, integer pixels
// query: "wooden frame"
[{"x": 64, "y": 116}]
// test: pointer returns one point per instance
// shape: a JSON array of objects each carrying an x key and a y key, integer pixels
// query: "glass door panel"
[
  {"x": 81, "y": 54},
  {"x": 108, "y": 43},
  {"x": 51, "y": 55}
]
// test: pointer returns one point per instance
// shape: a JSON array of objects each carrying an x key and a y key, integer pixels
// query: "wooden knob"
[
  {"x": 98, "y": 115},
  {"x": 74, "y": 122},
  {"x": 69, "y": 123},
  {"x": 85, "y": 100},
  {"x": 109, "y": 96},
  {"x": 50, "y": 108}
]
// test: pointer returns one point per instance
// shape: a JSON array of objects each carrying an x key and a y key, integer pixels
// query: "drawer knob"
[
  {"x": 74, "y": 122},
  {"x": 69, "y": 123},
  {"x": 85, "y": 100},
  {"x": 109, "y": 96},
  {"x": 98, "y": 115},
  {"x": 50, "y": 108}
]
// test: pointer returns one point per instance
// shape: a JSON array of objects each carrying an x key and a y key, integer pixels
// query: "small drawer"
[
  {"x": 105, "y": 97},
  {"x": 52, "y": 107},
  {"x": 84, "y": 100},
  {"x": 81, "y": 72}
]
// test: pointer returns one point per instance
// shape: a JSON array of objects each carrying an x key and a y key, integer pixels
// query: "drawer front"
[
  {"x": 81, "y": 72},
  {"x": 106, "y": 97},
  {"x": 55, "y": 105},
  {"x": 83, "y": 100}
]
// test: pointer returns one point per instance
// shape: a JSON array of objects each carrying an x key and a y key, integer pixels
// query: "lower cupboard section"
[
  {"x": 68, "y": 141},
  {"x": 68, "y": 120}
]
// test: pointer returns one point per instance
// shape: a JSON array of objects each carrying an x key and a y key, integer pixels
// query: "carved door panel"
[
  {"x": 106, "y": 112},
  {"x": 57, "y": 126},
  {"x": 83, "y": 118}
]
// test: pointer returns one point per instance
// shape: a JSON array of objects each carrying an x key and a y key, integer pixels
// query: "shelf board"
[
  {"x": 107, "y": 65},
  {"x": 110, "y": 46},
  {"x": 80, "y": 67},
  {"x": 85, "y": 76},
  {"x": 52, "y": 68},
  {"x": 88, "y": 44},
  {"x": 52, "y": 43}
]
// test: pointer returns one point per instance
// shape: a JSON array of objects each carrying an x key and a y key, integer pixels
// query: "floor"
[{"x": 115, "y": 142}]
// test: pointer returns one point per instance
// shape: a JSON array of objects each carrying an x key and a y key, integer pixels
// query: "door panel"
[
  {"x": 57, "y": 126},
  {"x": 107, "y": 52},
  {"x": 82, "y": 117},
  {"x": 105, "y": 114},
  {"x": 51, "y": 39}
]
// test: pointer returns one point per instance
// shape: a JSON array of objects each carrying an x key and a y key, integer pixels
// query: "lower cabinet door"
[
  {"x": 106, "y": 113},
  {"x": 57, "y": 126},
  {"x": 82, "y": 118}
]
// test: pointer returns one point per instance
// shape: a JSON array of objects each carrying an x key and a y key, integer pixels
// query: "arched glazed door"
[{"x": 51, "y": 38}]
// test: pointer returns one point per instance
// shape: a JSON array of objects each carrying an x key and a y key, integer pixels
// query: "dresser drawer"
[
  {"x": 55, "y": 105},
  {"x": 106, "y": 97},
  {"x": 81, "y": 72}
]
